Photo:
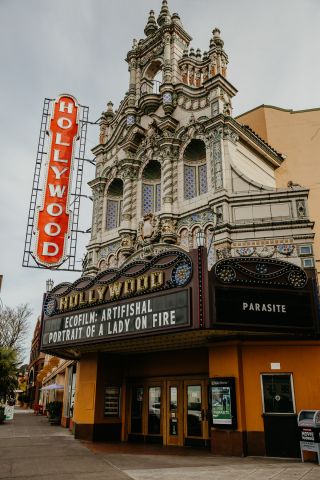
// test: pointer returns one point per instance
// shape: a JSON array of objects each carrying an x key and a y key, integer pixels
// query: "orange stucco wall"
[
  {"x": 85, "y": 398},
  {"x": 296, "y": 135},
  {"x": 247, "y": 361}
]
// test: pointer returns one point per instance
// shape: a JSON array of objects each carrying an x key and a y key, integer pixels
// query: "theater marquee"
[
  {"x": 164, "y": 312},
  {"x": 142, "y": 297},
  {"x": 261, "y": 294}
]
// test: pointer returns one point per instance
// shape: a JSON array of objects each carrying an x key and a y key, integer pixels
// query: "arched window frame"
[
  {"x": 113, "y": 207},
  {"x": 195, "y": 175},
  {"x": 150, "y": 192},
  {"x": 152, "y": 77}
]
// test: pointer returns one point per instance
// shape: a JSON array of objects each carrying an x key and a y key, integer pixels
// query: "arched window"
[
  {"x": 157, "y": 81},
  {"x": 152, "y": 78},
  {"x": 114, "y": 204},
  {"x": 195, "y": 169},
  {"x": 151, "y": 188}
]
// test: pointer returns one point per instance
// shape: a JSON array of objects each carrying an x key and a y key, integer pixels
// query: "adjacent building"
[
  {"x": 296, "y": 135},
  {"x": 195, "y": 317},
  {"x": 36, "y": 363}
]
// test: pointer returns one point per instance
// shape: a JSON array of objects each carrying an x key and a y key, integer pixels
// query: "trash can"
[{"x": 309, "y": 431}]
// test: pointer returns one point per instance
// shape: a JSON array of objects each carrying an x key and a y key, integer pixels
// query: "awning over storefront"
[{"x": 53, "y": 386}]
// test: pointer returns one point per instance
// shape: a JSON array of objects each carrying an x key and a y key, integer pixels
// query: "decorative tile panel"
[
  {"x": 147, "y": 198},
  {"x": 189, "y": 181},
  {"x": 217, "y": 162},
  {"x": 105, "y": 251},
  {"x": 112, "y": 214},
  {"x": 201, "y": 218},
  {"x": 203, "y": 185},
  {"x": 158, "y": 197},
  {"x": 130, "y": 120},
  {"x": 167, "y": 97}
]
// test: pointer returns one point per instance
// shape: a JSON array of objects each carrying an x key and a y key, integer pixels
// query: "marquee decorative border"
[
  {"x": 104, "y": 278},
  {"x": 267, "y": 271}
]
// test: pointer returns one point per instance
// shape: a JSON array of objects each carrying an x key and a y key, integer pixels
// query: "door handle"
[{"x": 205, "y": 415}]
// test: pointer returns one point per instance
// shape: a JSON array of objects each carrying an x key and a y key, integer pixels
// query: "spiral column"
[{"x": 167, "y": 183}]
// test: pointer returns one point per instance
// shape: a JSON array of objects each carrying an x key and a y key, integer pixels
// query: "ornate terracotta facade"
[
  {"x": 181, "y": 162},
  {"x": 170, "y": 351}
]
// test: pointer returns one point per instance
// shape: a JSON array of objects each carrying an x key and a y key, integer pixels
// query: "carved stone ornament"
[
  {"x": 265, "y": 251},
  {"x": 245, "y": 251},
  {"x": 168, "y": 230},
  {"x": 148, "y": 230},
  {"x": 301, "y": 208},
  {"x": 285, "y": 249},
  {"x": 224, "y": 252},
  {"x": 127, "y": 244}
]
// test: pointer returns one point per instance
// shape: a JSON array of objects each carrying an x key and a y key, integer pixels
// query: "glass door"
[
  {"x": 175, "y": 431},
  {"x": 196, "y": 411},
  {"x": 146, "y": 412},
  {"x": 137, "y": 397},
  {"x": 154, "y": 411}
]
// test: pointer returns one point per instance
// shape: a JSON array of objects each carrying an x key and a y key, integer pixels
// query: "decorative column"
[
  {"x": 132, "y": 68},
  {"x": 167, "y": 89},
  {"x": 167, "y": 58},
  {"x": 128, "y": 175},
  {"x": 130, "y": 111},
  {"x": 167, "y": 182},
  {"x": 97, "y": 209},
  {"x": 217, "y": 165}
]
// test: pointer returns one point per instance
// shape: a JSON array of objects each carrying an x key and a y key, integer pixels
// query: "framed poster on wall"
[
  {"x": 112, "y": 401},
  {"x": 223, "y": 402}
]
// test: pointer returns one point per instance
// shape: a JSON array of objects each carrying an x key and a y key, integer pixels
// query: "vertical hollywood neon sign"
[{"x": 53, "y": 219}]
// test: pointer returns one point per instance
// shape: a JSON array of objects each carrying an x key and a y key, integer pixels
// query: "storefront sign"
[
  {"x": 161, "y": 312},
  {"x": 263, "y": 308},
  {"x": 222, "y": 399},
  {"x": 52, "y": 225}
]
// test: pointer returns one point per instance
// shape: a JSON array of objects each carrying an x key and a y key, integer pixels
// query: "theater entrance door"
[{"x": 169, "y": 411}]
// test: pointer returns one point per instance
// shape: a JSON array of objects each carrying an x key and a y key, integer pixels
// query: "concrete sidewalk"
[{"x": 31, "y": 448}]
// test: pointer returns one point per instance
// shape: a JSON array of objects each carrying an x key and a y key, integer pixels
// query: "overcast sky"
[{"x": 78, "y": 46}]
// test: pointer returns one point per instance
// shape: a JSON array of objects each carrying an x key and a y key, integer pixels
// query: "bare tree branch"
[{"x": 14, "y": 325}]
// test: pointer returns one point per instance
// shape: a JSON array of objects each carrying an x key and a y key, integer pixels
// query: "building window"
[
  {"x": 151, "y": 188},
  {"x": 305, "y": 249},
  {"x": 195, "y": 169},
  {"x": 114, "y": 204},
  {"x": 308, "y": 262},
  {"x": 277, "y": 393}
]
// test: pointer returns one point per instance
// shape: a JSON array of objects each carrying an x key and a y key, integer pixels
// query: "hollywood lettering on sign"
[{"x": 53, "y": 217}]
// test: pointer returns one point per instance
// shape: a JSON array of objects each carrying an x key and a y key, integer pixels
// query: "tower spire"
[
  {"x": 164, "y": 15},
  {"x": 151, "y": 26}
]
